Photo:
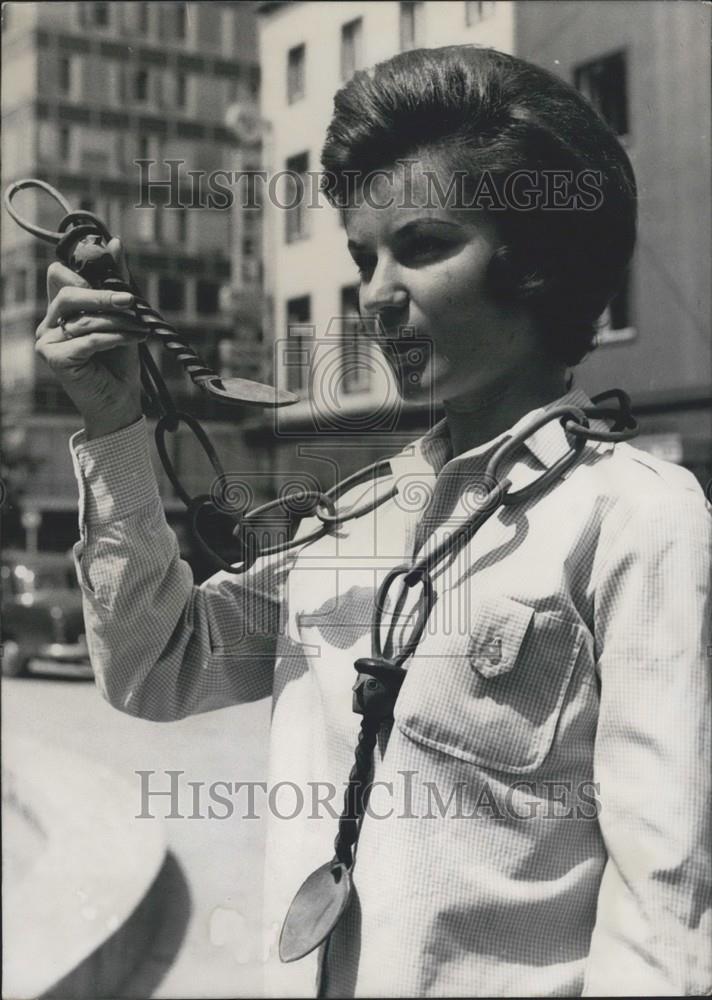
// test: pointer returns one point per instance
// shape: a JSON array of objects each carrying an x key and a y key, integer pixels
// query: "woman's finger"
[
  {"x": 103, "y": 323},
  {"x": 68, "y": 352},
  {"x": 70, "y": 301},
  {"x": 59, "y": 276}
]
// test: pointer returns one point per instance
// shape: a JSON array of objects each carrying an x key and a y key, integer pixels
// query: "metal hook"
[{"x": 48, "y": 235}]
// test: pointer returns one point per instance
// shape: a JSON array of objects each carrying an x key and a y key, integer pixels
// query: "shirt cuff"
[{"x": 114, "y": 474}]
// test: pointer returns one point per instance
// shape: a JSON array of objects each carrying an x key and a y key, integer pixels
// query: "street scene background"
[{"x": 99, "y": 99}]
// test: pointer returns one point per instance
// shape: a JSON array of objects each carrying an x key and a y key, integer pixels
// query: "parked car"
[{"x": 42, "y": 622}]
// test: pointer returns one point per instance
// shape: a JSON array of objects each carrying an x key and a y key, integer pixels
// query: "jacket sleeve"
[
  {"x": 653, "y": 765},
  {"x": 161, "y": 647}
]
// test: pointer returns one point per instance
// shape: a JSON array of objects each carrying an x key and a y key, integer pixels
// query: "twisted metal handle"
[{"x": 356, "y": 795}]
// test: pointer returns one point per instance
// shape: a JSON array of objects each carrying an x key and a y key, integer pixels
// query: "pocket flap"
[{"x": 497, "y": 635}]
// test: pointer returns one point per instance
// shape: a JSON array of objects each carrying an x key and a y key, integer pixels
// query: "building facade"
[
  {"x": 89, "y": 90},
  {"x": 646, "y": 67}
]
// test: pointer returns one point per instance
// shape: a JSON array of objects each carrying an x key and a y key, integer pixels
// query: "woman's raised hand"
[{"x": 89, "y": 338}]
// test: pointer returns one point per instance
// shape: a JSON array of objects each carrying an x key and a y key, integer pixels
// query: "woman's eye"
[{"x": 424, "y": 248}]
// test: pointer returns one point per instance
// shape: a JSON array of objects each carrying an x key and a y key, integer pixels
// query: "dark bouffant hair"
[{"x": 480, "y": 110}]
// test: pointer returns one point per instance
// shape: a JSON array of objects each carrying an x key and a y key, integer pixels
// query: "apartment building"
[
  {"x": 88, "y": 90},
  {"x": 646, "y": 67}
]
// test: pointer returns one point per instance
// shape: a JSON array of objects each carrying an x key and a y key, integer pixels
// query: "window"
[
  {"x": 171, "y": 294},
  {"x": 65, "y": 74},
  {"x": 144, "y": 148},
  {"x": 182, "y": 226},
  {"x": 140, "y": 85},
  {"x": 100, "y": 15},
  {"x": 296, "y": 65},
  {"x": 478, "y": 11},
  {"x": 181, "y": 21},
  {"x": 64, "y": 143},
  {"x": 254, "y": 84},
  {"x": 616, "y": 325},
  {"x": 355, "y": 348},
  {"x": 295, "y": 200},
  {"x": 181, "y": 90},
  {"x": 604, "y": 83},
  {"x": 351, "y": 39},
  {"x": 20, "y": 286},
  {"x": 250, "y": 260},
  {"x": 296, "y": 355},
  {"x": 412, "y": 13},
  {"x": 207, "y": 294},
  {"x": 143, "y": 18}
]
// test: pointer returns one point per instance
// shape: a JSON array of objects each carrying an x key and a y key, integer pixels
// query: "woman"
[{"x": 538, "y": 818}]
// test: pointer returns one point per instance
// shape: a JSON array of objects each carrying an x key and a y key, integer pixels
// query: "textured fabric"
[{"x": 541, "y": 822}]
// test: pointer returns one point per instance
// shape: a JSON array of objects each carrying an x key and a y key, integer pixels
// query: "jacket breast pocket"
[{"x": 492, "y": 696}]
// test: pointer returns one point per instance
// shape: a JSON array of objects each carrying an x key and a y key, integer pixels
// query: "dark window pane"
[
  {"x": 411, "y": 24},
  {"x": 355, "y": 348},
  {"x": 100, "y": 14},
  {"x": 65, "y": 74},
  {"x": 207, "y": 297},
  {"x": 64, "y": 142},
  {"x": 351, "y": 48},
  {"x": 296, "y": 355},
  {"x": 141, "y": 85},
  {"x": 171, "y": 294},
  {"x": 181, "y": 20},
  {"x": 604, "y": 83},
  {"x": 296, "y": 197},
  {"x": 619, "y": 308},
  {"x": 20, "y": 286},
  {"x": 296, "y": 60}
]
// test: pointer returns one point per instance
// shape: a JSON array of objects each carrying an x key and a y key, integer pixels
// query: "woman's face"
[{"x": 423, "y": 269}]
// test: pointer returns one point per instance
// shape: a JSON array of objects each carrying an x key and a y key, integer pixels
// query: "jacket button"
[{"x": 493, "y": 650}]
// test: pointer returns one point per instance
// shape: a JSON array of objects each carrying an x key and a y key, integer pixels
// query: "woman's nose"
[{"x": 383, "y": 295}]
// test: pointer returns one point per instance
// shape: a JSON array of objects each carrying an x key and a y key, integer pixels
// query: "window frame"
[
  {"x": 351, "y": 37},
  {"x": 296, "y": 341},
  {"x": 608, "y": 334},
  {"x": 296, "y": 72},
  {"x": 485, "y": 9},
  {"x": 582, "y": 71},
  {"x": 295, "y": 220},
  {"x": 359, "y": 349},
  {"x": 417, "y": 18}
]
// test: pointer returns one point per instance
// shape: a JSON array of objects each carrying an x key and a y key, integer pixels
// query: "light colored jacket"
[{"x": 543, "y": 823}]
